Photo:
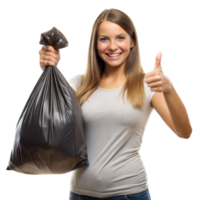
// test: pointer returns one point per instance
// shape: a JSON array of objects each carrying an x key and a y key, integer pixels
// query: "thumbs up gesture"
[{"x": 156, "y": 80}]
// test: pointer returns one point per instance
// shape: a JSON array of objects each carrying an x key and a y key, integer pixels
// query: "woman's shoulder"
[
  {"x": 74, "y": 81},
  {"x": 149, "y": 93}
]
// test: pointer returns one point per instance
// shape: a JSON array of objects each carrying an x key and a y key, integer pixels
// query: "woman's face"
[{"x": 112, "y": 39}]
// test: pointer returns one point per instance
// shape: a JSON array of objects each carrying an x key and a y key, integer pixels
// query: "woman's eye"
[{"x": 103, "y": 39}]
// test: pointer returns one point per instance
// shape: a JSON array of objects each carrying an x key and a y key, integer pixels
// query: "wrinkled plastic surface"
[
  {"x": 54, "y": 38},
  {"x": 49, "y": 136}
]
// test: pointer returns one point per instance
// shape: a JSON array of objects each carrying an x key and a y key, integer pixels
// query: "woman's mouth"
[{"x": 113, "y": 56}]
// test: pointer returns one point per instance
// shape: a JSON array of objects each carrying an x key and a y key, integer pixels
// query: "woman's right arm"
[{"x": 49, "y": 56}]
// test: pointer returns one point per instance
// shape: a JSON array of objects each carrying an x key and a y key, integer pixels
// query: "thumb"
[{"x": 158, "y": 60}]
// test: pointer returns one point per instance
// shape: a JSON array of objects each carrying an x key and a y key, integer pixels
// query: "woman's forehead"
[{"x": 108, "y": 28}]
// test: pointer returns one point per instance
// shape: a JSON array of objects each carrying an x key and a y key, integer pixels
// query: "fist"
[{"x": 49, "y": 56}]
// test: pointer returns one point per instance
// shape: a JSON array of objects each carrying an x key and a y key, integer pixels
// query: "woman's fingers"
[{"x": 49, "y": 56}]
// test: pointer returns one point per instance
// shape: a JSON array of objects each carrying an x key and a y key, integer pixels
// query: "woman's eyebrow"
[{"x": 116, "y": 35}]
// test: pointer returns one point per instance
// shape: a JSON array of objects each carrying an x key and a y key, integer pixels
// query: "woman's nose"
[{"x": 113, "y": 44}]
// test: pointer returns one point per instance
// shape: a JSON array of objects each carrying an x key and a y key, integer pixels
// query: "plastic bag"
[{"x": 50, "y": 131}]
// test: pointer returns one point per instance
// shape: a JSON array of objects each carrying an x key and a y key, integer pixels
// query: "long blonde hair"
[{"x": 90, "y": 81}]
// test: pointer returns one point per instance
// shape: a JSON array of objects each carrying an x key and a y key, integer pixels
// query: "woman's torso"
[{"x": 106, "y": 83}]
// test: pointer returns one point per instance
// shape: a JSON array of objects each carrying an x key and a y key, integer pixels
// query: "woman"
[{"x": 113, "y": 127}]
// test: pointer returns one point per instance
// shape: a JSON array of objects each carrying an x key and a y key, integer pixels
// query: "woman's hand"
[
  {"x": 157, "y": 80},
  {"x": 49, "y": 56}
]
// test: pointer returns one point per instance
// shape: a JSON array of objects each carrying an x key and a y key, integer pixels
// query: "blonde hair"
[{"x": 90, "y": 81}]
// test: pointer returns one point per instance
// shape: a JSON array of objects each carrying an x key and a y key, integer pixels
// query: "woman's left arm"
[
  {"x": 178, "y": 113},
  {"x": 159, "y": 82}
]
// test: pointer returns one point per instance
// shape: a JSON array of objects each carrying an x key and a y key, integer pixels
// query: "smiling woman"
[
  {"x": 114, "y": 33},
  {"x": 114, "y": 123}
]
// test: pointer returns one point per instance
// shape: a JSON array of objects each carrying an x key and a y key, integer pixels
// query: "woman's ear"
[{"x": 132, "y": 43}]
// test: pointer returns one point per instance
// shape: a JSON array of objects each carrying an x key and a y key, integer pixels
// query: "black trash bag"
[
  {"x": 54, "y": 38},
  {"x": 50, "y": 131}
]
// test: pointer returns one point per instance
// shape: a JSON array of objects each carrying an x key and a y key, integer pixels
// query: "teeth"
[{"x": 112, "y": 55}]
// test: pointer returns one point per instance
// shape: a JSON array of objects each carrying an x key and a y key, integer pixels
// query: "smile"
[{"x": 113, "y": 57}]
